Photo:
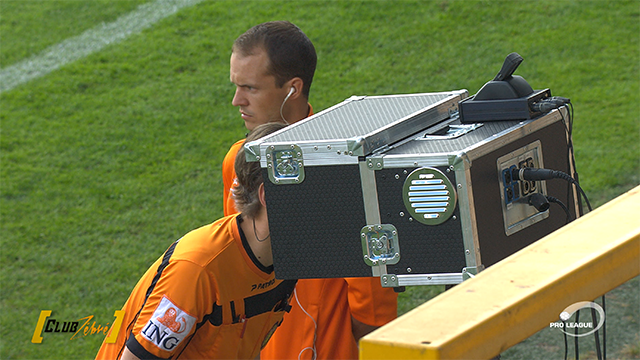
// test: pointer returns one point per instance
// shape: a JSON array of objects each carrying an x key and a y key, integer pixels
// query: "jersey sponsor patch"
[{"x": 168, "y": 326}]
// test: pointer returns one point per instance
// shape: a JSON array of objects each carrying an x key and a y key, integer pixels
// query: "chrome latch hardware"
[
  {"x": 380, "y": 244},
  {"x": 285, "y": 164}
]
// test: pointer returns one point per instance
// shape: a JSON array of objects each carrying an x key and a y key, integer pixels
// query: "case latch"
[
  {"x": 380, "y": 244},
  {"x": 285, "y": 164}
]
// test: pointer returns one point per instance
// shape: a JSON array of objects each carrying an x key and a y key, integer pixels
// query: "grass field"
[{"x": 107, "y": 160}]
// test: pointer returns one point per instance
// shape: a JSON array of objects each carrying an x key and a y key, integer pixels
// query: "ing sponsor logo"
[{"x": 168, "y": 325}]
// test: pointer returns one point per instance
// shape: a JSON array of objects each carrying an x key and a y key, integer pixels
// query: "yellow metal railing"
[{"x": 515, "y": 298}]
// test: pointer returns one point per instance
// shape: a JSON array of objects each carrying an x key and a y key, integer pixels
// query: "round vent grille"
[{"x": 429, "y": 196}]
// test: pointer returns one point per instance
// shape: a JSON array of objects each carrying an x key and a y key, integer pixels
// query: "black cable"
[
  {"x": 604, "y": 331},
  {"x": 576, "y": 337},
  {"x": 555, "y": 200},
  {"x": 574, "y": 179},
  {"x": 570, "y": 156},
  {"x": 596, "y": 335},
  {"x": 547, "y": 174},
  {"x": 566, "y": 343}
]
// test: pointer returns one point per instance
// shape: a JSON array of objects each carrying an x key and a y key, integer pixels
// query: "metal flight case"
[
  {"x": 452, "y": 200},
  {"x": 394, "y": 186}
]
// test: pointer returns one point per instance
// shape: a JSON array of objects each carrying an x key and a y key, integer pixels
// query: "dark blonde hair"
[{"x": 249, "y": 174}]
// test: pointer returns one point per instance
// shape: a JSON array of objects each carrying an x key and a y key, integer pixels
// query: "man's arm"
[
  {"x": 370, "y": 302},
  {"x": 128, "y": 355},
  {"x": 360, "y": 329}
]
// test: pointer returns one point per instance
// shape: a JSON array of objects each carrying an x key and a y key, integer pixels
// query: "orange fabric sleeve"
[
  {"x": 370, "y": 303},
  {"x": 229, "y": 177},
  {"x": 190, "y": 299}
]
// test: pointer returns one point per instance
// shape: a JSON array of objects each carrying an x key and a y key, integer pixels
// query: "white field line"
[{"x": 90, "y": 41}]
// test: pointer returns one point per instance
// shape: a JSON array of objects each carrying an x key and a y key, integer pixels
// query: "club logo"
[{"x": 79, "y": 328}]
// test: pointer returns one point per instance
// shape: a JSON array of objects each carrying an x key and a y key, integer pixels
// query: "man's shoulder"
[
  {"x": 233, "y": 151},
  {"x": 204, "y": 244},
  {"x": 236, "y": 146}
]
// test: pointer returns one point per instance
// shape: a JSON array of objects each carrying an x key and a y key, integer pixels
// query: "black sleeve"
[{"x": 138, "y": 350}]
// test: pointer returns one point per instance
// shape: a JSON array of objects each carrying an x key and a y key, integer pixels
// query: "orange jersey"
[
  {"x": 331, "y": 303},
  {"x": 229, "y": 178},
  {"x": 207, "y": 297}
]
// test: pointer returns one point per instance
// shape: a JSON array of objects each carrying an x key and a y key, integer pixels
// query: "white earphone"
[
  {"x": 291, "y": 91},
  {"x": 314, "y": 352}
]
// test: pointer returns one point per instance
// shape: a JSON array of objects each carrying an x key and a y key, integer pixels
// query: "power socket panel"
[{"x": 516, "y": 211}]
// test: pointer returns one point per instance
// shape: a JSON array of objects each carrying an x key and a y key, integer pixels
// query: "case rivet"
[
  {"x": 459, "y": 186},
  {"x": 410, "y": 219},
  {"x": 258, "y": 157},
  {"x": 409, "y": 270},
  {"x": 401, "y": 213},
  {"x": 339, "y": 152},
  {"x": 451, "y": 168},
  {"x": 397, "y": 176},
  {"x": 454, "y": 217},
  {"x": 379, "y": 165},
  {"x": 467, "y": 252},
  {"x": 405, "y": 172},
  {"x": 315, "y": 148},
  {"x": 328, "y": 147}
]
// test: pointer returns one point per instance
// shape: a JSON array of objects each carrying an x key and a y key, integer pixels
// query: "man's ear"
[
  {"x": 262, "y": 196},
  {"x": 297, "y": 84}
]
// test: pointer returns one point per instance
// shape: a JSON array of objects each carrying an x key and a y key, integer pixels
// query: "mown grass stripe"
[{"x": 90, "y": 41}]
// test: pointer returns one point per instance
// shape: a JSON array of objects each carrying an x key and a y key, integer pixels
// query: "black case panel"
[
  {"x": 423, "y": 249},
  {"x": 315, "y": 225}
]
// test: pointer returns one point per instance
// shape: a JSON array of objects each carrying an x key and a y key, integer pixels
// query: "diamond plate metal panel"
[
  {"x": 370, "y": 121},
  {"x": 474, "y": 138}
]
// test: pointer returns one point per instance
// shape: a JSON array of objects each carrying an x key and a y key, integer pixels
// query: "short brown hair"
[
  {"x": 249, "y": 174},
  {"x": 291, "y": 53}
]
